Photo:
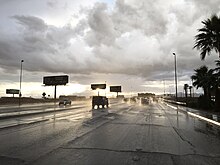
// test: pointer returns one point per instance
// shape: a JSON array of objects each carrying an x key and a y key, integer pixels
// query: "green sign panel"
[
  {"x": 98, "y": 86},
  {"x": 56, "y": 80},
  {"x": 115, "y": 88},
  {"x": 12, "y": 91}
]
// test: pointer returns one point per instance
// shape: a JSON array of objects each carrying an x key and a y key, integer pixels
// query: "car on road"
[
  {"x": 133, "y": 100},
  {"x": 126, "y": 100},
  {"x": 99, "y": 100},
  {"x": 65, "y": 102},
  {"x": 145, "y": 101}
]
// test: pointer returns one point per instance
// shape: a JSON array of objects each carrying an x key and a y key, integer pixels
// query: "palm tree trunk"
[
  {"x": 209, "y": 94},
  {"x": 207, "y": 97},
  {"x": 185, "y": 93},
  {"x": 205, "y": 93},
  {"x": 217, "y": 99},
  {"x": 218, "y": 48},
  {"x": 186, "y": 97}
]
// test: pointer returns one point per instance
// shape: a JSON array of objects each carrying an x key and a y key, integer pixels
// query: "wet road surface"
[{"x": 122, "y": 134}]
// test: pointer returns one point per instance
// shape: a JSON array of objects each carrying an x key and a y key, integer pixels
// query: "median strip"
[{"x": 25, "y": 113}]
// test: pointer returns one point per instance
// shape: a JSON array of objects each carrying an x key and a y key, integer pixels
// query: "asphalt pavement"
[{"x": 122, "y": 134}]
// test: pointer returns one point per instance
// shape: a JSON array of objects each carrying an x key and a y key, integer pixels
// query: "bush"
[{"x": 204, "y": 103}]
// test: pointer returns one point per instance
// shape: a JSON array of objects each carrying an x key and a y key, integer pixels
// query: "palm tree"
[
  {"x": 208, "y": 38},
  {"x": 218, "y": 66},
  {"x": 190, "y": 91},
  {"x": 217, "y": 85},
  {"x": 186, "y": 89},
  {"x": 204, "y": 78}
]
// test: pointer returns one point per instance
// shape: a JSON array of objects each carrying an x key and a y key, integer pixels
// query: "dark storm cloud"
[
  {"x": 42, "y": 46},
  {"x": 131, "y": 38},
  {"x": 106, "y": 27},
  {"x": 146, "y": 16},
  {"x": 31, "y": 23},
  {"x": 102, "y": 28}
]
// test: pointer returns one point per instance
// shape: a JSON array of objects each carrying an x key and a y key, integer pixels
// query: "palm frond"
[{"x": 208, "y": 37}]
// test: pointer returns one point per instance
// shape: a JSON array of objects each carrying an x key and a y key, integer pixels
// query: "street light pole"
[
  {"x": 175, "y": 73},
  {"x": 20, "y": 83}
]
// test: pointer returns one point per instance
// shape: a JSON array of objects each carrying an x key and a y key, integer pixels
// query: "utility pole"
[
  {"x": 175, "y": 74},
  {"x": 20, "y": 83},
  {"x": 164, "y": 92}
]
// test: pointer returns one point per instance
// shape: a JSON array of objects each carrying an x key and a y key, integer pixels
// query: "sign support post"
[{"x": 55, "y": 92}]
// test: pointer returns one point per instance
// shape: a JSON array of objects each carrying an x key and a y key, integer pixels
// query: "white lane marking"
[
  {"x": 198, "y": 116},
  {"x": 204, "y": 118},
  {"x": 171, "y": 106}
]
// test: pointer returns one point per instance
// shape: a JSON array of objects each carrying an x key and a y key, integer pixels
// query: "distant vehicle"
[
  {"x": 65, "y": 102},
  {"x": 126, "y": 99},
  {"x": 133, "y": 100},
  {"x": 145, "y": 101},
  {"x": 155, "y": 99},
  {"x": 99, "y": 100}
]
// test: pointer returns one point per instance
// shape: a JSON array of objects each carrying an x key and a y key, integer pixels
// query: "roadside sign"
[
  {"x": 115, "y": 88},
  {"x": 55, "y": 80},
  {"x": 98, "y": 86},
  {"x": 12, "y": 91}
]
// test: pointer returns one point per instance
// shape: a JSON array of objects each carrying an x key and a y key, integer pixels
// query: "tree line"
[{"x": 206, "y": 41}]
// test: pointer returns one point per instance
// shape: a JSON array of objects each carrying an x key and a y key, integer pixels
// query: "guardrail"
[
  {"x": 206, "y": 116},
  {"x": 175, "y": 102}
]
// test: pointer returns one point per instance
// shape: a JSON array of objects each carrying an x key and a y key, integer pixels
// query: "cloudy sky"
[{"x": 120, "y": 42}]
